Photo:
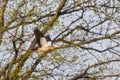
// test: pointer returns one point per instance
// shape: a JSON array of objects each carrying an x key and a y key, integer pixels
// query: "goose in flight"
[{"x": 44, "y": 42}]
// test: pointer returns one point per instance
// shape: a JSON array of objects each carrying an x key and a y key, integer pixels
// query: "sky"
[{"x": 84, "y": 57}]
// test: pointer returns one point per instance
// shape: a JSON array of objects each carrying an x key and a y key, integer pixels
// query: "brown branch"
[
  {"x": 51, "y": 22},
  {"x": 68, "y": 27},
  {"x": 29, "y": 72},
  {"x": 2, "y": 10},
  {"x": 107, "y": 49},
  {"x": 85, "y": 74},
  {"x": 21, "y": 62}
]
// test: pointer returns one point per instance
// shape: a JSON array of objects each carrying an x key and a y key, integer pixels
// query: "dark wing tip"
[
  {"x": 38, "y": 33},
  {"x": 48, "y": 37}
]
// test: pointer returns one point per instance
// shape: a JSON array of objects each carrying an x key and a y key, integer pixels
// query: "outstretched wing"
[{"x": 38, "y": 35}]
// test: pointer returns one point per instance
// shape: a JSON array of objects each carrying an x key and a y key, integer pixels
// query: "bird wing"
[
  {"x": 48, "y": 37},
  {"x": 38, "y": 35}
]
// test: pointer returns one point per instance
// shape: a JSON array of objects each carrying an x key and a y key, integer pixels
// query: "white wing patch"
[{"x": 43, "y": 42}]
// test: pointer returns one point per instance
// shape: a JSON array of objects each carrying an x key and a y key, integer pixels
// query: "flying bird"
[{"x": 44, "y": 42}]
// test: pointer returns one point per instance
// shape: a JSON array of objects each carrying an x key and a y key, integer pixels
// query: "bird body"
[
  {"x": 46, "y": 48},
  {"x": 44, "y": 42}
]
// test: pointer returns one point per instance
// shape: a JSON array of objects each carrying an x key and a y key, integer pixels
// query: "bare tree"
[{"x": 88, "y": 30}]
